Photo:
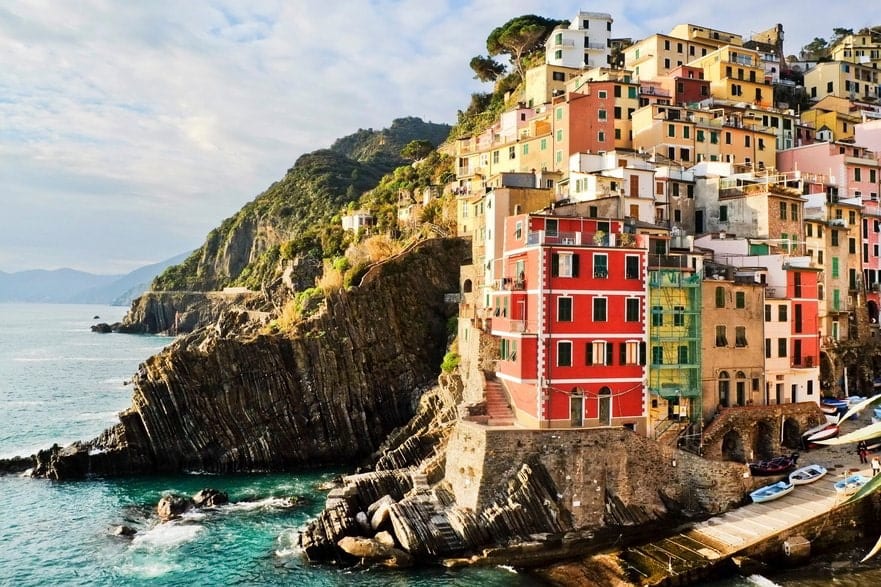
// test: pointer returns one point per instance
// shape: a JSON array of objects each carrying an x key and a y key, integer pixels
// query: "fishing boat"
[
  {"x": 771, "y": 492},
  {"x": 828, "y": 431},
  {"x": 806, "y": 475},
  {"x": 850, "y": 485},
  {"x": 775, "y": 466}
]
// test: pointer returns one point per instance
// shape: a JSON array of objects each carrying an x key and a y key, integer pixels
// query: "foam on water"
[
  {"x": 761, "y": 581},
  {"x": 167, "y": 535}
]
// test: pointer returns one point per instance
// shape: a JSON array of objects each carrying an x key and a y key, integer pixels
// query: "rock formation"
[{"x": 330, "y": 392}]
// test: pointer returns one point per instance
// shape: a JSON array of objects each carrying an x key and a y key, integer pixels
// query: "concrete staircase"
[{"x": 497, "y": 408}]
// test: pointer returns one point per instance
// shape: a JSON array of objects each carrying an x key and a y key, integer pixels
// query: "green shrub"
[{"x": 451, "y": 362}]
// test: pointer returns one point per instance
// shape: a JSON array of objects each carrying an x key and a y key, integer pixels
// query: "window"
[
  {"x": 559, "y": 135},
  {"x": 564, "y": 309},
  {"x": 657, "y": 316},
  {"x": 678, "y": 315},
  {"x": 518, "y": 230},
  {"x": 723, "y": 213},
  {"x": 767, "y": 312},
  {"x": 671, "y": 130},
  {"x": 632, "y": 310},
  {"x": 631, "y": 267},
  {"x": 720, "y": 296},
  {"x": 793, "y": 211},
  {"x": 835, "y": 271},
  {"x": 782, "y": 210},
  {"x": 495, "y": 156},
  {"x": 600, "y": 266},
  {"x": 700, "y": 135},
  {"x": 559, "y": 113},
  {"x": 599, "y": 310},
  {"x": 781, "y": 313},
  {"x": 857, "y": 174},
  {"x": 617, "y": 112},
  {"x": 686, "y": 132},
  {"x": 739, "y": 299},
  {"x": 599, "y": 353},
  {"x": 657, "y": 355},
  {"x": 559, "y": 76},
  {"x": 630, "y": 353},
  {"x": 767, "y": 348},
  {"x": 564, "y": 353},
  {"x": 601, "y": 136},
  {"x": 740, "y": 336},
  {"x": 602, "y": 114},
  {"x": 543, "y": 144},
  {"x": 512, "y": 152},
  {"x": 682, "y": 357},
  {"x": 564, "y": 265},
  {"x": 551, "y": 226},
  {"x": 721, "y": 336},
  {"x": 852, "y": 246},
  {"x": 526, "y": 148},
  {"x": 781, "y": 347}
]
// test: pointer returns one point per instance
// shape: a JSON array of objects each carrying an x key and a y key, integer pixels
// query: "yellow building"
[
  {"x": 658, "y": 55},
  {"x": 862, "y": 47},
  {"x": 845, "y": 80},
  {"x": 836, "y": 115},
  {"x": 714, "y": 37},
  {"x": 545, "y": 81},
  {"x": 736, "y": 74}
]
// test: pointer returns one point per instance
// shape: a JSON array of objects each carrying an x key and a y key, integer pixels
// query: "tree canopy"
[
  {"x": 486, "y": 69},
  {"x": 417, "y": 149},
  {"x": 520, "y": 36}
]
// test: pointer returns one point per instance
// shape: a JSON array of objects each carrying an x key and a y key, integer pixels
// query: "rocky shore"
[{"x": 329, "y": 392}]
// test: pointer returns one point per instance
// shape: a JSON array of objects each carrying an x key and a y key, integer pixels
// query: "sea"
[{"x": 59, "y": 382}]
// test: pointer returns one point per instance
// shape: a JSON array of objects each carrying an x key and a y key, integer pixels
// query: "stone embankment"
[
  {"x": 522, "y": 497},
  {"x": 330, "y": 392}
]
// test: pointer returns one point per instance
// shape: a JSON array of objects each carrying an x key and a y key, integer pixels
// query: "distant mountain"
[{"x": 68, "y": 286}]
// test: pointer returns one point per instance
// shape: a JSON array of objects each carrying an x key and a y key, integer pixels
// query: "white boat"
[
  {"x": 850, "y": 485},
  {"x": 806, "y": 475},
  {"x": 829, "y": 431},
  {"x": 771, "y": 492}
]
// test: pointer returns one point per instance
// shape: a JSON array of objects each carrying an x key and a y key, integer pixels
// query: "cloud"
[{"x": 129, "y": 129}]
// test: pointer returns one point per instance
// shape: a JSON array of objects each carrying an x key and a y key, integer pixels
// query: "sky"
[{"x": 128, "y": 130}]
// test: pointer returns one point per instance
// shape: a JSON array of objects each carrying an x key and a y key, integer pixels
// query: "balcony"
[
  {"x": 595, "y": 46},
  {"x": 590, "y": 239},
  {"x": 803, "y": 363},
  {"x": 563, "y": 43},
  {"x": 656, "y": 261}
]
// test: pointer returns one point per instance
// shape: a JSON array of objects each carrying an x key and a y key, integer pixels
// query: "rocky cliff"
[
  {"x": 330, "y": 392},
  {"x": 177, "y": 312}
]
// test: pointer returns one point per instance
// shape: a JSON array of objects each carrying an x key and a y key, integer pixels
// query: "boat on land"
[
  {"x": 772, "y": 492},
  {"x": 829, "y": 409},
  {"x": 825, "y": 433},
  {"x": 806, "y": 475},
  {"x": 850, "y": 485},
  {"x": 775, "y": 466}
]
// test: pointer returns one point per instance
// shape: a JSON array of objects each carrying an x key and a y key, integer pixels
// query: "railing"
[
  {"x": 564, "y": 43},
  {"x": 595, "y": 239},
  {"x": 673, "y": 261},
  {"x": 599, "y": 46}
]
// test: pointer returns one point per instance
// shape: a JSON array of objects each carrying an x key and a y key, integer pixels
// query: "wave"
[
  {"x": 268, "y": 503},
  {"x": 167, "y": 535},
  {"x": 150, "y": 570},
  {"x": 287, "y": 544},
  {"x": 761, "y": 581}
]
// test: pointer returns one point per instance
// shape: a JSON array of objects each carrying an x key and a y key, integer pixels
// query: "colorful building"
[{"x": 569, "y": 314}]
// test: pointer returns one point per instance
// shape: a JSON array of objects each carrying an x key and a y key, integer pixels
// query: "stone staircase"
[{"x": 497, "y": 408}]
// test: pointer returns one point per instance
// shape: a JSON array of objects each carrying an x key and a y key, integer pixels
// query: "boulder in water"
[
  {"x": 172, "y": 506},
  {"x": 123, "y": 530},
  {"x": 374, "y": 552},
  {"x": 210, "y": 498},
  {"x": 102, "y": 328}
]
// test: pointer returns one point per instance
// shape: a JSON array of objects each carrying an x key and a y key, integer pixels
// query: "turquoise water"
[{"x": 59, "y": 382}]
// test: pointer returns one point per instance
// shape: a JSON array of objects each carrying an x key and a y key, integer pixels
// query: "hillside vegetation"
[{"x": 299, "y": 214}]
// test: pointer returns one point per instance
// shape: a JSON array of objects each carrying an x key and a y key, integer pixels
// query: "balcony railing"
[{"x": 594, "y": 239}]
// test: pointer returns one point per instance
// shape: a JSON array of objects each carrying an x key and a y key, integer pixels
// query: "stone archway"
[
  {"x": 791, "y": 434},
  {"x": 732, "y": 447},
  {"x": 764, "y": 440}
]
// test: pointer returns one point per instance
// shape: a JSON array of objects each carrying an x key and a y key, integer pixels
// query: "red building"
[
  {"x": 801, "y": 288},
  {"x": 569, "y": 314}
]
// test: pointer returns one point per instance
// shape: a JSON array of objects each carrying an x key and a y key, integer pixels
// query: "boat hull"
[
  {"x": 771, "y": 492},
  {"x": 806, "y": 475}
]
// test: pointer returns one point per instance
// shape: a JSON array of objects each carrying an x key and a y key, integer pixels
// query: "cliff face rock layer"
[
  {"x": 328, "y": 393},
  {"x": 175, "y": 312}
]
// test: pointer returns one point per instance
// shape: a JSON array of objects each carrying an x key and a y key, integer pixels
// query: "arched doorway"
[
  {"x": 604, "y": 409},
  {"x": 732, "y": 447},
  {"x": 764, "y": 440},
  {"x": 466, "y": 287},
  {"x": 791, "y": 434},
  {"x": 740, "y": 388}
]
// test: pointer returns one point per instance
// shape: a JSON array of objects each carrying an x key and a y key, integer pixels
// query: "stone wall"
[
  {"x": 603, "y": 476},
  {"x": 755, "y": 432}
]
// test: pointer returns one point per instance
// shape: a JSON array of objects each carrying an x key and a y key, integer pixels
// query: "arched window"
[{"x": 466, "y": 287}]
